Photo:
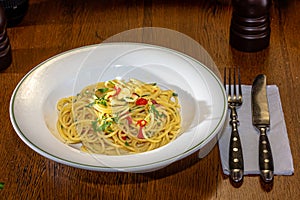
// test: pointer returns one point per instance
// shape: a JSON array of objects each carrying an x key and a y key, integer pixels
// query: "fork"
[{"x": 235, "y": 100}]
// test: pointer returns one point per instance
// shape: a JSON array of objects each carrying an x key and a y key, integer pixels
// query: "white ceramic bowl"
[{"x": 201, "y": 95}]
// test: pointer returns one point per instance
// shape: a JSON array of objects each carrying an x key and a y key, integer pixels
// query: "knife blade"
[{"x": 261, "y": 120}]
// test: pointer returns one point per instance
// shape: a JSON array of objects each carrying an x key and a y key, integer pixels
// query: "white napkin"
[{"x": 277, "y": 135}]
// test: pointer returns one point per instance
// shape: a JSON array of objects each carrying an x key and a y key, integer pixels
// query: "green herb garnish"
[
  {"x": 95, "y": 126},
  {"x": 90, "y": 105},
  {"x": 155, "y": 111},
  {"x": 115, "y": 119},
  {"x": 103, "y": 90},
  {"x": 100, "y": 128},
  {"x": 101, "y": 101},
  {"x": 105, "y": 126},
  {"x": 112, "y": 83}
]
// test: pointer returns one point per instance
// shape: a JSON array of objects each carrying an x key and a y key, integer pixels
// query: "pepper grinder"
[
  {"x": 15, "y": 10},
  {"x": 250, "y": 25},
  {"x": 5, "y": 48}
]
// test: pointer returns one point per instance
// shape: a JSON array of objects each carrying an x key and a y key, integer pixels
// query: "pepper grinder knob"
[
  {"x": 5, "y": 48},
  {"x": 15, "y": 11},
  {"x": 250, "y": 25}
]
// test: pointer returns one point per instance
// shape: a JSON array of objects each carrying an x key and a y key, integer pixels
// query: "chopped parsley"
[
  {"x": 90, "y": 105},
  {"x": 100, "y": 128},
  {"x": 94, "y": 125},
  {"x": 155, "y": 111},
  {"x": 103, "y": 90},
  {"x": 112, "y": 83},
  {"x": 101, "y": 101}
]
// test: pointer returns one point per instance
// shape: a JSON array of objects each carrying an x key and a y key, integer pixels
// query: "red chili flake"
[
  {"x": 153, "y": 101},
  {"x": 140, "y": 134},
  {"x": 123, "y": 136},
  {"x": 141, "y": 123},
  {"x": 118, "y": 90},
  {"x": 129, "y": 119},
  {"x": 141, "y": 101}
]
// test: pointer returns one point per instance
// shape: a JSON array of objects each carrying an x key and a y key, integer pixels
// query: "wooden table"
[{"x": 53, "y": 26}]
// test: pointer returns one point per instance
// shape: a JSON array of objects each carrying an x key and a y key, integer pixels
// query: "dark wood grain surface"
[{"x": 53, "y": 26}]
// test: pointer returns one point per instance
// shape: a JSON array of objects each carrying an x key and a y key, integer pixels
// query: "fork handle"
[{"x": 236, "y": 161}]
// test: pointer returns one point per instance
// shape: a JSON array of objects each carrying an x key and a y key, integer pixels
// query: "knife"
[{"x": 261, "y": 120}]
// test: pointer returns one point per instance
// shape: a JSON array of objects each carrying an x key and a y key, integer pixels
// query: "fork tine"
[
  {"x": 240, "y": 85},
  {"x": 234, "y": 82},
  {"x": 229, "y": 83}
]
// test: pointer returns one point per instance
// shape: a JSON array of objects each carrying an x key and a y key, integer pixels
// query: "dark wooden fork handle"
[{"x": 236, "y": 161}]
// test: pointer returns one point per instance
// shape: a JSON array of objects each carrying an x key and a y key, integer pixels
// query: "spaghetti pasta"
[{"x": 117, "y": 117}]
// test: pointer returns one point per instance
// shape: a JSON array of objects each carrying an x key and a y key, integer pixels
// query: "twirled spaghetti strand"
[{"x": 117, "y": 117}]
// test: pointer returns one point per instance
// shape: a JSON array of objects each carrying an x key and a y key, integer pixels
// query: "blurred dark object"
[
  {"x": 5, "y": 48},
  {"x": 250, "y": 25},
  {"x": 15, "y": 10}
]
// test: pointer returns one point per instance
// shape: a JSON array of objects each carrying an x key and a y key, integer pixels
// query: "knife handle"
[
  {"x": 265, "y": 157},
  {"x": 236, "y": 161}
]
